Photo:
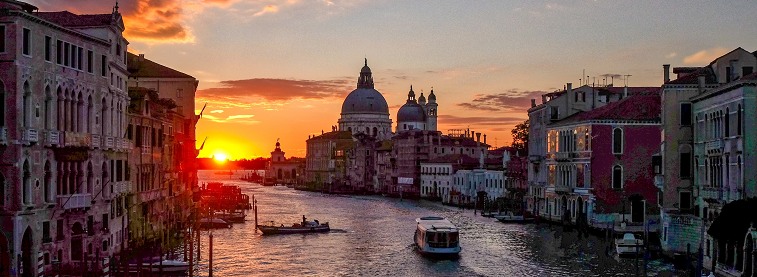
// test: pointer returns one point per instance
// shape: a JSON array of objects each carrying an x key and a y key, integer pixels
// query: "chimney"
[
  {"x": 141, "y": 57},
  {"x": 543, "y": 99},
  {"x": 570, "y": 89},
  {"x": 478, "y": 137},
  {"x": 472, "y": 134},
  {"x": 625, "y": 91},
  {"x": 484, "y": 138},
  {"x": 666, "y": 72},
  {"x": 701, "y": 82},
  {"x": 533, "y": 102}
]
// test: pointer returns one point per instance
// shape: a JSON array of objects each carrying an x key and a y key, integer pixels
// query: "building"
[
  {"x": 437, "y": 175},
  {"x": 326, "y": 161},
  {"x": 593, "y": 164},
  {"x": 417, "y": 114},
  {"x": 282, "y": 171},
  {"x": 64, "y": 154}
]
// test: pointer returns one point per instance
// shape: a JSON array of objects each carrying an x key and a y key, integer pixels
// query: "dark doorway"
[
  {"x": 637, "y": 208},
  {"x": 749, "y": 256},
  {"x": 5, "y": 261},
  {"x": 27, "y": 268}
]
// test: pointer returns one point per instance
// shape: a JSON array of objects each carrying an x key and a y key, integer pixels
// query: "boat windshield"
[{"x": 442, "y": 239}]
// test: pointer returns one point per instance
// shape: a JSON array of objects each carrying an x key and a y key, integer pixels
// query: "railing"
[
  {"x": 96, "y": 141},
  {"x": 711, "y": 193},
  {"x": 108, "y": 142},
  {"x": 714, "y": 145},
  {"x": 52, "y": 137},
  {"x": 3, "y": 135},
  {"x": 561, "y": 188},
  {"x": 150, "y": 195},
  {"x": 73, "y": 139},
  {"x": 562, "y": 155},
  {"x": 121, "y": 187},
  {"x": 31, "y": 135},
  {"x": 75, "y": 201},
  {"x": 535, "y": 158}
]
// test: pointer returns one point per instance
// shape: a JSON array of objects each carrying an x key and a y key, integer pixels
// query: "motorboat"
[
  {"x": 629, "y": 245},
  {"x": 511, "y": 218},
  {"x": 168, "y": 266},
  {"x": 436, "y": 236},
  {"x": 232, "y": 217},
  {"x": 213, "y": 223},
  {"x": 297, "y": 228}
]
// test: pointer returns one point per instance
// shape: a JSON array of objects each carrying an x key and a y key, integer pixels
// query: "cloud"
[
  {"x": 479, "y": 120},
  {"x": 241, "y": 118},
  {"x": 216, "y": 111},
  {"x": 266, "y": 10},
  {"x": 704, "y": 56},
  {"x": 241, "y": 93},
  {"x": 511, "y": 100},
  {"x": 671, "y": 55}
]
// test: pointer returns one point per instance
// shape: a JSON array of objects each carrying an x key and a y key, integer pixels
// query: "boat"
[
  {"x": 629, "y": 245},
  {"x": 436, "y": 236},
  {"x": 297, "y": 228},
  {"x": 232, "y": 217},
  {"x": 168, "y": 266},
  {"x": 511, "y": 218},
  {"x": 223, "y": 173},
  {"x": 213, "y": 223}
]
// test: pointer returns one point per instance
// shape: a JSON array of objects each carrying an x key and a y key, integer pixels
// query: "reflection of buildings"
[
  {"x": 63, "y": 181},
  {"x": 282, "y": 171}
]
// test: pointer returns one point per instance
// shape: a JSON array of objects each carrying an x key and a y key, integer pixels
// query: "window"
[
  {"x": 104, "y": 65},
  {"x": 739, "y": 118},
  {"x": 617, "y": 177},
  {"x": 59, "y": 229},
  {"x": 685, "y": 114},
  {"x": 746, "y": 70},
  {"x": 66, "y": 53},
  {"x": 657, "y": 164},
  {"x": 728, "y": 72},
  {"x": 685, "y": 167},
  {"x": 617, "y": 141},
  {"x": 727, "y": 122},
  {"x": 48, "y": 48},
  {"x": 90, "y": 60},
  {"x": 59, "y": 49},
  {"x": 46, "y": 232},
  {"x": 554, "y": 113},
  {"x": 27, "y": 43},
  {"x": 2, "y": 38},
  {"x": 80, "y": 57},
  {"x": 685, "y": 200}
]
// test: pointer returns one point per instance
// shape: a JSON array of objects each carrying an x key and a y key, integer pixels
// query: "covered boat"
[
  {"x": 212, "y": 223},
  {"x": 436, "y": 236},
  {"x": 297, "y": 228},
  {"x": 629, "y": 245}
]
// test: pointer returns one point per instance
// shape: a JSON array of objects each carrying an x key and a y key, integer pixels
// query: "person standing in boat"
[{"x": 303, "y": 220}]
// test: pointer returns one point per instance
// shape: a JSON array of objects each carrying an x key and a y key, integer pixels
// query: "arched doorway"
[
  {"x": 27, "y": 268},
  {"x": 565, "y": 213},
  {"x": 748, "y": 256},
  {"x": 5, "y": 261},
  {"x": 77, "y": 253},
  {"x": 435, "y": 192}
]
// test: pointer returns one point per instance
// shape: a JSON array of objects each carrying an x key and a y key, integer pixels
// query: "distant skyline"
[{"x": 280, "y": 69}]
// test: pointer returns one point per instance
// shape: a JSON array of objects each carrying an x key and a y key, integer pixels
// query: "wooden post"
[
  {"x": 191, "y": 252},
  {"x": 255, "y": 209},
  {"x": 210, "y": 254},
  {"x": 198, "y": 245}
]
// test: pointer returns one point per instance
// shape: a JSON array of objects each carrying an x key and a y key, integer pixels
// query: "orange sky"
[{"x": 281, "y": 68}]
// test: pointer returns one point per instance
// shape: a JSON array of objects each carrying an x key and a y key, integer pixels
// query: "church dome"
[
  {"x": 411, "y": 112},
  {"x": 365, "y": 100}
]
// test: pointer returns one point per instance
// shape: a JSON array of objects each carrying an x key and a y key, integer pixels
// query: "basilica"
[{"x": 364, "y": 154}]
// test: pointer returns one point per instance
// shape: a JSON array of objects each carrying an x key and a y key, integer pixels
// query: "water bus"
[{"x": 436, "y": 236}]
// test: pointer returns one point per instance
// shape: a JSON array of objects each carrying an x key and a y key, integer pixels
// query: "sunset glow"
[
  {"x": 220, "y": 157},
  {"x": 274, "y": 71}
]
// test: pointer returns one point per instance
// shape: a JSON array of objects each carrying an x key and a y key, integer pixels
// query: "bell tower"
[{"x": 431, "y": 111}]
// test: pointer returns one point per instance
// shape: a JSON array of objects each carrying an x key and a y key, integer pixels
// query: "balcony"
[
  {"x": 73, "y": 139},
  {"x": 150, "y": 195},
  {"x": 109, "y": 143},
  {"x": 52, "y": 138},
  {"x": 714, "y": 146},
  {"x": 75, "y": 201},
  {"x": 659, "y": 181},
  {"x": 535, "y": 158},
  {"x": 121, "y": 187},
  {"x": 711, "y": 193},
  {"x": 561, "y": 188},
  {"x": 30, "y": 135},
  {"x": 96, "y": 141},
  {"x": 3, "y": 135}
]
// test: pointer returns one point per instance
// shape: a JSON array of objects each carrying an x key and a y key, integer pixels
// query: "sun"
[{"x": 220, "y": 157}]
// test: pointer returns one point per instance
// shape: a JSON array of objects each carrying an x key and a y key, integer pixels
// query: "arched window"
[
  {"x": 90, "y": 114},
  {"x": 48, "y": 186},
  {"x": 59, "y": 110},
  {"x": 740, "y": 119},
  {"x": 103, "y": 115},
  {"x": 617, "y": 141},
  {"x": 27, "y": 186},
  {"x": 727, "y": 122},
  {"x": 90, "y": 178},
  {"x": 375, "y": 131},
  {"x": 617, "y": 177}
]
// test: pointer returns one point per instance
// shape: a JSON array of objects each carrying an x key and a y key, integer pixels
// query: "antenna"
[{"x": 626, "y": 79}]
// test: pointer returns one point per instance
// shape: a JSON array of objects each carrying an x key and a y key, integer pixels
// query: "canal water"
[{"x": 372, "y": 236}]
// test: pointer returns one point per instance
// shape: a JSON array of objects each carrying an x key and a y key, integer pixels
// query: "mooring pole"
[{"x": 210, "y": 254}]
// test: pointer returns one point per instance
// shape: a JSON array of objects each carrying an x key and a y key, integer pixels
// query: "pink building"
[{"x": 598, "y": 166}]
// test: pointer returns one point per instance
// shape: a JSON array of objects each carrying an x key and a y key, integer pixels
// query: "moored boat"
[
  {"x": 168, "y": 266},
  {"x": 511, "y": 218},
  {"x": 629, "y": 245},
  {"x": 212, "y": 223},
  {"x": 436, "y": 236},
  {"x": 297, "y": 228}
]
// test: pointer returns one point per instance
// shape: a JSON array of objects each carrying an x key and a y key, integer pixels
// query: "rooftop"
[
  {"x": 139, "y": 66},
  {"x": 639, "y": 107},
  {"x": 68, "y": 19}
]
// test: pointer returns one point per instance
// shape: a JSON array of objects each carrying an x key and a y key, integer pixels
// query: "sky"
[{"x": 273, "y": 70}]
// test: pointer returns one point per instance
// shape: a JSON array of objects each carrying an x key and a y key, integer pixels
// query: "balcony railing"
[
  {"x": 561, "y": 188},
  {"x": 121, "y": 187},
  {"x": 31, "y": 135},
  {"x": 714, "y": 145},
  {"x": 96, "y": 141},
  {"x": 75, "y": 201},
  {"x": 73, "y": 139},
  {"x": 711, "y": 193},
  {"x": 108, "y": 142},
  {"x": 52, "y": 138}
]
